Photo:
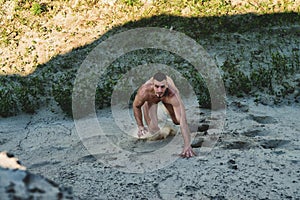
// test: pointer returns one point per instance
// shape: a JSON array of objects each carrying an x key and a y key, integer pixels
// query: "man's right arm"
[{"x": 137, "y": 111}]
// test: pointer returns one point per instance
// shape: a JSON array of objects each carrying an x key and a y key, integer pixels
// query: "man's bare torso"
[
  {"x": 151, "y": 93},
  {"x": 148, "y": 94}
]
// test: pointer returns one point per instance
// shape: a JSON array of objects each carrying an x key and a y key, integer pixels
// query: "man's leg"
[
  {"x": 150, "y": 116},
  {"x": 145, "y": 108},
  {"x": 171, "y": 112}
]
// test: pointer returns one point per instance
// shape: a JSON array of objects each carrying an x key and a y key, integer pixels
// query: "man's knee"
[{"x": 176, "y": 122}]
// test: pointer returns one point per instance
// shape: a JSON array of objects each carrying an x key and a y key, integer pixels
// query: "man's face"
[{"x": 160, "y": 88}]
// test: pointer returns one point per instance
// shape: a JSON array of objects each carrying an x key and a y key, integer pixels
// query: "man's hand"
[
  {"x": 142, "y": 131},
  {"x": 187, "y": 152}
]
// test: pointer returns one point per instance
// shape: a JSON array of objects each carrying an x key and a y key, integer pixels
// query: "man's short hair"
[{"x": 160, "y": 76}]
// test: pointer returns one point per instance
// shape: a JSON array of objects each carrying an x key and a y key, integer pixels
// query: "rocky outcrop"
[
  {"x": 8, "y": 160},
  {"x": 16, "y": 183}
]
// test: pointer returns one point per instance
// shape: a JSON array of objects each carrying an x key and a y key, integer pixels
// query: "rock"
[
  {"x": 203, "y": 128},
  {"x": 233, "y": 167},
  {"x": 232, "y": 164},
  {"x": 20, "y": 184},
  {"x": 231, "y": 161},
  {"x": 273, "y": 143},
  {"x": 197, "y": 143},
  {"x": 236, "y": 144},
  {"x": 256, "y": 132},
  {"x": 265, "y": 100},
  {"x": 263, "y": 119},
  {"x": 16, "y": 183},
  {"x": 8, "y": 160},
  {"x": 239, "y": 106}
]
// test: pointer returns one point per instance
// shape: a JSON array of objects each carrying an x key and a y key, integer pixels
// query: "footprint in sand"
[
  {"x": 263, "y": 119},
  {"x": 273, "y": 143}
]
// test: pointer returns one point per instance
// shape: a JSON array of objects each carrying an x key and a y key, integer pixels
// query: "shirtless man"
[{"x": 161, "y": 88}]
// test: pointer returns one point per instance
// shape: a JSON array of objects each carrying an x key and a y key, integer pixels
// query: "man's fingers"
[
  {"x": 188, "y": 154},
  {"x": 184, "y": 155},
  {"x": 141, "y": 132},
  {"x": 193, "y": 153}
]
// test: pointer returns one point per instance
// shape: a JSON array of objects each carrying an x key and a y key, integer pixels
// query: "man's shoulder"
[
  {"x": 146, "y": 86},
  {"x": 171, "y": 93},
  {"x": 144, "y": 89}
]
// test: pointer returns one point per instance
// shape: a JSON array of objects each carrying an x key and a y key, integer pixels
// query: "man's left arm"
[
  {"x": 185, "y": 131},
  {"x": 184, "y": 128}
]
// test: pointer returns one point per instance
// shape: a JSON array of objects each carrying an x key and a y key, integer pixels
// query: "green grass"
[
  {"x": 273, "y": 79},
  {"x": 37, "y": 8}
]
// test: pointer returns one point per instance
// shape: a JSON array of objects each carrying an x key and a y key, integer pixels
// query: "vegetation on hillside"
[{"x": 43, "y": 43}]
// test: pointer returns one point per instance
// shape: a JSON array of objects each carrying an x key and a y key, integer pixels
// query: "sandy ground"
[{"x": 256, "y": 156}]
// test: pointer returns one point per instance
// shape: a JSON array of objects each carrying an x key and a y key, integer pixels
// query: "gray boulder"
[{"x": 23, "y": 185}]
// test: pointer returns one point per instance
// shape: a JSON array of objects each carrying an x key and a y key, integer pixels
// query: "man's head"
[{"x": 160, "y": 84}]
